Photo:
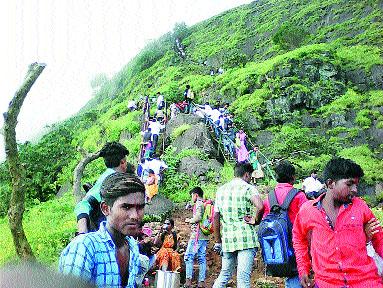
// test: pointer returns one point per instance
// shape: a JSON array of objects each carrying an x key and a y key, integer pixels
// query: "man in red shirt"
[
  {"x": 286, "y": 178},
  {"x": 330, "y": 229}
]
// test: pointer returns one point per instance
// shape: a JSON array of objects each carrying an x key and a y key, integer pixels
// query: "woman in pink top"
[{"x": 241, "y": 150}]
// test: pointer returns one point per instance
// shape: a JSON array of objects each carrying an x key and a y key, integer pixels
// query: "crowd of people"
[{"x": 323, "y": 242}]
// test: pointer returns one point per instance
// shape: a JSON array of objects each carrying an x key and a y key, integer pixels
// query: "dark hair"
[
  {"x": 120, "y": 184},
  {"x": 87, "y": 186},
  {"x": 171, "y": 221},
  {"x": 113, "y": 153},
  {"x": 197, "y": 190},
  {"x": 158, "y": 93},
  {"x": 241, "y": 168},
  {"x": 130, "y": 168},
  {"x": 314, "y": 171},
  {"x": 341, "y": 168},
  {"x": 285, "y": 172},
  {"x": 188, "y": 86},
  {"x": 150, "y": 171}
]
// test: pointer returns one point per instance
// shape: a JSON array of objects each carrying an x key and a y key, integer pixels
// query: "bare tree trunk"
[
  {"x": 16, "y": 170},
  {"x": 79, "y": 170}
]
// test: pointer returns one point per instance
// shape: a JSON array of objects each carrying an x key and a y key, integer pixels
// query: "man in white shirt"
[
  {"x": 311, "y": 185},
  {"x": 160, "y": 101},
  {"x": 156, "y": 164},
  {"x": 214, "y": 115},
  {"x": 132, "y": 105},
  {"x": 155, "y": 127}
]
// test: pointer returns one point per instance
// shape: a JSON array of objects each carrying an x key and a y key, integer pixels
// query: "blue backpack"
[{"x": 275, "y": 238}]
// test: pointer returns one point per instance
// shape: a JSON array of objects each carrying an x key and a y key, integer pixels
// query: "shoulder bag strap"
[{"x": 289, "y": 197}]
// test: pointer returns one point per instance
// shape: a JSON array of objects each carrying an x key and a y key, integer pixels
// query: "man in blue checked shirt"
[{"x": 109, "y": 257}]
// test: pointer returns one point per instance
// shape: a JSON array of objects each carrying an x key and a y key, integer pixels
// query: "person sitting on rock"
[
  {"x": 167, "y": 258},
  {"x": 146, "y": 244}
]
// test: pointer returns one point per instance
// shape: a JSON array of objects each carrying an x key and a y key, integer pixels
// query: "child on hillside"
[
  {"x": 198, "y": 240},
  {"x": 335, "y": 222}
]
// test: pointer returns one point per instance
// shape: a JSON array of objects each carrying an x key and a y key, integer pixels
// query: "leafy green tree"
[
  {"x": 181, "y": 31},
  {"x": 289, "y": 36}
]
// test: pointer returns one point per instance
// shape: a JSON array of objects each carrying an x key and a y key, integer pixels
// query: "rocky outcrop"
[
  {"x": 196, "y": 137},
  {"x": 181, "y": 119},
  {"x": 194, "y": 166},
  {"x": 160, "y": 206}
]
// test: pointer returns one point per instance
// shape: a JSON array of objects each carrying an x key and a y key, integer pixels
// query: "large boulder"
[
  {"x": 197, "y": 136},
  {"x": 179, "y": 120},
  {"x": 160, "y": 206},
  {"x": 194, "y": 166}
]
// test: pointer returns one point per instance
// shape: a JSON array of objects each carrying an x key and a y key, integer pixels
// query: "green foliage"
[
  {"x": 45, "y": 160},
  {"x": 363, "y": 156},
  {"x": 349, "y": 100},
  {"x": 181, "y": 31},
  {"x": 289, "y": 36},
  {"x": 376, "y": 98},
  {"x": 176, "y": 186},
  {"x": 360, "y": 56},
  {"x": 363, "y": 119},
  {"x": 179, "y": 131},
  {"x": 5, "y": 196},
  {"x": 336, "y": 130},
  {"x": 306, "y": 164},
  {"x": 371, "y": 200},
  {"x": 294, "y": 139},
  {"x": 234, "y": 59},
  {"x": 249, "y": 102},
  {"x": 263, "y": 283},
  {"x": 48, "y": 227},
  {"x": 378, "y": 212},
  {"x": 148, "y": 56}
]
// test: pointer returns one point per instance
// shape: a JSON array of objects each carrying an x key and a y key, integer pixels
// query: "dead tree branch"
[
  {"x": 79, "y": 170},
  {"x": 17, "y": 205}
]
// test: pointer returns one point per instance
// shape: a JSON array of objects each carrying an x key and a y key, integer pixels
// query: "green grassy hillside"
[{"x": 300, "y": 76}]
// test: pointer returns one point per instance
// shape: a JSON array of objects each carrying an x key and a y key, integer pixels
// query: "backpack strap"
[
  {"x": 289, "y": 197},
  {"x": 273, "y": 199}
]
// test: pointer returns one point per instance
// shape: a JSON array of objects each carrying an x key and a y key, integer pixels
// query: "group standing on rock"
[{"x": 311, "y": 243}]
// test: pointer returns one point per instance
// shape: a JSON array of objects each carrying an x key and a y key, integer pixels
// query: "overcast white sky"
[{"x": 79, "y": 39}]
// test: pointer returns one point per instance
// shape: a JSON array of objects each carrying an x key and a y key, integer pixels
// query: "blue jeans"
[
  {"x": 200, "y": 251},
  {"x": 293, "y": 282},
  {"x": 245, "y": 259}
]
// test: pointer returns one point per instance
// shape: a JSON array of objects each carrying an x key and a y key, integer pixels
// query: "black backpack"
[{"x": 275, "y": 238}]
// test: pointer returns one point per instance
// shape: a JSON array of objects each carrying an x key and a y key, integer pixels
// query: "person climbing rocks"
[
  {"x": 189, "y": 97},
  {"x": 240, "y": 147}
]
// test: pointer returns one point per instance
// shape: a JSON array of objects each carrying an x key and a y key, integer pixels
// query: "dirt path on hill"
[{"x": 258, "y": 278}]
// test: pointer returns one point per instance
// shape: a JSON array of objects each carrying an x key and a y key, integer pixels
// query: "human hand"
[
  {"x": 306, "y": 282},
  {"x": 147, "y": 240},
  {"x": 249, "y": 219},
  {"x": 217, "y": 248},
  {"x": 371, "y": 227}
]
